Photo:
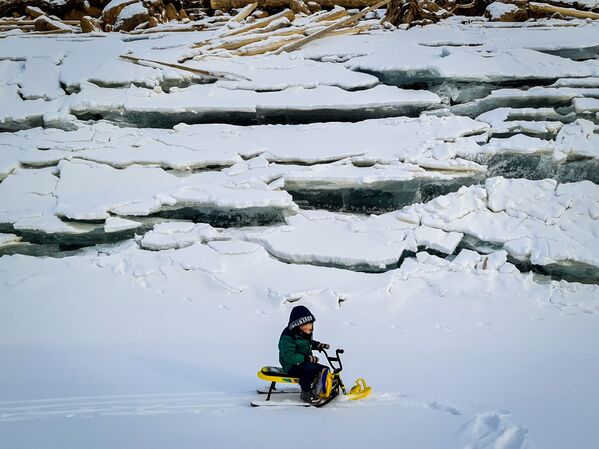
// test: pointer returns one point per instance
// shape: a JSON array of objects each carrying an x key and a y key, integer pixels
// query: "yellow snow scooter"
[{"x": 329, "y": 389}]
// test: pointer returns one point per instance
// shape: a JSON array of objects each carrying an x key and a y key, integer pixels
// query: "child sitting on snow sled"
[{"x": 295, "y": 351}]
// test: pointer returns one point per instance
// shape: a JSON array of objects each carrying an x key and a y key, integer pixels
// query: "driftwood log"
[
  {"x": 544, "y": 10},
  {"x": 328, "y": 30},
  {"x": 226, "y": 5},
  {"x": 60, "y": 9}
]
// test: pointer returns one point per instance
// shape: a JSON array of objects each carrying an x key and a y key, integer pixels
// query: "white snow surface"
[
  {"x": 154, "y": 340},
  {"x": 173, "y": 371}
]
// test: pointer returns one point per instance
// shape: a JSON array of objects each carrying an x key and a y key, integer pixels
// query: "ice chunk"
[
  {"x": 539, "y": 222},
  {"x": 438, "y": 240},
  {"x": 577, "y": 139},
  {"x": 140, "y": 190},
  {"x": 17, "y": 113},
  {"x": 278, "y": 72},
  {"x": 153, "y": 152},
  {"x": 177, "y": 235},
  {"x": 586, "y": 105},
  {"x": 117, "y": 224},
  {"x": 326, "y": 239},
  {"x": 519, "y": 143},
  {"x": 27, "y": 194},
  {"x": 209, "y": 103},
  {"x": 9, "y": 239},
  {"x": 34, "y": 85},
  {"x": 533, "y": 199}
]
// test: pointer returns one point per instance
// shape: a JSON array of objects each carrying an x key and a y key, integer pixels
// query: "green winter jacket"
[{"x": 294, "y": 349}]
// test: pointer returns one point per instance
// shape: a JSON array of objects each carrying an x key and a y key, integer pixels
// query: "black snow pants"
[{"x": 306, "y": 371}]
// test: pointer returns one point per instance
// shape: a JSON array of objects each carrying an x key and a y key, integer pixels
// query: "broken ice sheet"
[
  {"x": 17, "y": 113},
  {"x": 535, "y": 97},
  {"x": 138, "y": 190},
  {"x": 352, "y": 242},
  {"x": 154, "y": 152},
  {"x": 347, "y": 175},
  {"x": 9, "y": 239},
  {"x": 324, "y": 239},
  {"x": 403, "y": 64},
  {"x": 210, "y": 103},
  {"x": 177, "y": 235},
  {"x": 431, "y": 142},
  {"x": 546, "y": 224},
  {"x": 278, "y": 72},
  {"x": 377, "y": 188}
]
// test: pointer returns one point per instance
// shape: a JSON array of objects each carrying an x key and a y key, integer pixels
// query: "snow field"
[{"x": 431, "y": 195}]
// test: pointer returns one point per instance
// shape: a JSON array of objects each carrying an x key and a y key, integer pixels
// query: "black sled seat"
[{"x": 274, "y": 374}]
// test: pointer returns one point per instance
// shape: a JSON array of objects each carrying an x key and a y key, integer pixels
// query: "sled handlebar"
[{"x": 336, "y": 359}]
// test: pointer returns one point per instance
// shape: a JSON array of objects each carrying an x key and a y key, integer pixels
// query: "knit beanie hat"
[{"x": 300, "y": 315}]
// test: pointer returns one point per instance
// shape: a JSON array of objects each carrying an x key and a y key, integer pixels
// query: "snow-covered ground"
[{"x": 431, "y": 195}]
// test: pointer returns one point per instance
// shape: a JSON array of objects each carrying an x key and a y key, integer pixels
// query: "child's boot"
[{"x": 308, "y": 396}]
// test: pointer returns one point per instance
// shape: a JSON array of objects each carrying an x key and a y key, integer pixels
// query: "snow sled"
[{"x": 333, "y": 385}]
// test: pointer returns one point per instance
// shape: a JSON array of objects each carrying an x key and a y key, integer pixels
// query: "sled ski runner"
[
  {"x": 278, "y": 390},
  {"x": 330, "y": 386},
  {"x": 285, "y": 403}
]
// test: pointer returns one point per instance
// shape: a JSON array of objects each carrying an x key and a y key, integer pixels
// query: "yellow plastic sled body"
[
  {"x": 359, "y": 391},
  {"x": 275, "y": 374}
]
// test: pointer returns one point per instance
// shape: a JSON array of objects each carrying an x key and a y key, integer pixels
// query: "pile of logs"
[
  {"x": 286, "y": 31},
  {"x": 101, "y": 15},
  {"x": 146, "y": 16},
  {"x": 423, "y": 12}
]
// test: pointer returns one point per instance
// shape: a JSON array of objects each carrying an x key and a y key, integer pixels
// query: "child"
[{"x": 295, "y": 351}]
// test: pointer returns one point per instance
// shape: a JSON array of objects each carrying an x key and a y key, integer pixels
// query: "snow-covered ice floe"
[
  {"x": 66, "y": 205},
  {"x": 551, "y": 226},
  {"x": 345, "y": 241},
  {"x": 211, "y": 103},
  {"x": 415, "y": 140},
  {"x": 554, "y": 226},
  {"x": 572, "y": 155}
]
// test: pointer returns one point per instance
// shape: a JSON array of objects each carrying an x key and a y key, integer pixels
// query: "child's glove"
[
  {"x": 312, "y": 359},
  {"x": 322, "y": 346}
]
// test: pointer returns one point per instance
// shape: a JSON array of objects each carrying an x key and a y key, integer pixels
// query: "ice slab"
[
  {"x": 405, "y": 64},
  {"x": 210, "y": 103},
  {"x": 577, "y": 140},
  {"x": 17, "y": 113},
  {"x": 40, "y": 79},
  {"x": 140, "y": 191},
  {"x": 377, "y": 188},
  {"x": 591, "y": 81},
  {"x": 571, "y": 157},
  {"x": 278, "y": 72},
  {"x": 535, "y": 97},
  {"x": 116, "y": 224},
  {"x": 416, "y": 140},
  {"x": 9, "y": 239},
  {"x": 546, "y": 224},
  {"x": 531, "y": 121},
  {"x": 372, "y": 244},
  {"x": 586, "y": 105},
  {"x": 148, "y": 151},
  {"x": 27, "y": 194},
  {"x": 320, "y": 238},
  {"x": 346, "y": 175},
  {"x": 172, "y": 235},
  {"x": 448, "y": 51}
]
